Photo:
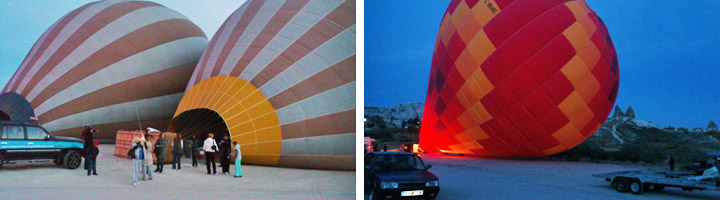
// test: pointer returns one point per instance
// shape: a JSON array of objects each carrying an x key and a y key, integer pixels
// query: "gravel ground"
[{"x": 47, "y": 181}]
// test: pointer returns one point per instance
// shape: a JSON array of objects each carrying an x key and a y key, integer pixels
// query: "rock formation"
[
  {"x": 630, "y": 112},
  {"x": 712, "y": 125},
  {"x": 618, "y": 112}
]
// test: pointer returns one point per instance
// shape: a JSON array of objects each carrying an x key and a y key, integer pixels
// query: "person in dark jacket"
[
  {"x": 177, "y": 146},
  {"x": 160, "y": 154},
  {"x": 225, "y": 149},
  {"x": 195, "y": 145},
  {"x": 385, "y": 147},
  {"x": 672, "y": 163},
  {"x": 87, "y": 136},
  {"x": 187, "y": 148},
  {"x": 92, "y": 154}
]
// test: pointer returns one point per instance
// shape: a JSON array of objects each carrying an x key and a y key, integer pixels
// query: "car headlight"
[
  {"x": 432, "y": 183},
  {"x": 388, "y": 185}
]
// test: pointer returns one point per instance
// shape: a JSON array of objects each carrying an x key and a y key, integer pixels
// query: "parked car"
[
  {"x": 27, "y": 141},
  {"x": 397, "y": 175}
]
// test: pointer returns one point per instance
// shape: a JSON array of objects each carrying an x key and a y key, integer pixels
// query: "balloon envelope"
[
  {"x": 279, "y": 78},
  {"x": 110, "y": 64},
  {"x": 518, "y": 78}
]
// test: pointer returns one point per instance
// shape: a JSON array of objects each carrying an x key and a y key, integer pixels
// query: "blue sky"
[
  {"x": 23, "y": 22},
  {"x": 668, "y": 53}
]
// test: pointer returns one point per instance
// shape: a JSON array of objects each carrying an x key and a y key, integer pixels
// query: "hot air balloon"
[
  {"x": 107, "y": 64},
  {"x": 518, "y": 78},
  {"x": 279, "y": 78}
]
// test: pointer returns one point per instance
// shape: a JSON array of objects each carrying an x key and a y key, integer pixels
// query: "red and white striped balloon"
[{"x": 109, "y": 64}]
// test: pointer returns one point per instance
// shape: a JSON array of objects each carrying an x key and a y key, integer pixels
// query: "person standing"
[
  {"x": 92, "y": 157},
  {"x": 195, "y": 144},
  {"x": 225, "y": 154},
  {"x": 177, "y": 147},
  {"x": 672, "y": 163},
  {"x": 138, "y": 157},
  {"x": 187, "y": 148},
  {"x": 238, "y": 157},
  {"x": 160, "y": 152},
  {"x": 210, "y": 146},
  {"x": 87, "y": 136},
  {"x": 384, "y": 147},
  {"x": 147, "y": 157}
]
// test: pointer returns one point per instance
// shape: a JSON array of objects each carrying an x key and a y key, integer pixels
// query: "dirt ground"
[
  {"x": 47, "y": 181},
  {"x": 474, "y": 177},
  {"x": 463, "y": 177}
]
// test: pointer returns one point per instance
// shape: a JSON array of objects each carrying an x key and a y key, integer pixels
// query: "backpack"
[{"x": 131, "y": 152}]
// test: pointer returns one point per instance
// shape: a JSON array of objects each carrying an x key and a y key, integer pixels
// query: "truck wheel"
[
  {"x": 635, "y": 186},
  {"x": 620, "y": 184},
  {"x": 658, "y": 188},
  {"x": 72, "y": 160}
]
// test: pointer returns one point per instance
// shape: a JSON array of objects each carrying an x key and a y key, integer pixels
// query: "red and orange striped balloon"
[{"x": 518, "y": 78}]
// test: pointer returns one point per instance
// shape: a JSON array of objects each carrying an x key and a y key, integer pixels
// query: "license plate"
[{"x": 411, "y": 193}]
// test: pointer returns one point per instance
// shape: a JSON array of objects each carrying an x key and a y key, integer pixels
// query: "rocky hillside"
[
  {"x": 623, "y": 136},
  {"x": 625, "y": 128},
  {"x": 394, "y": 116}
]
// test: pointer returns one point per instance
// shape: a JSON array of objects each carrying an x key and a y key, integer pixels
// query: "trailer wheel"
[
  {"x": 657, "y": 188},
  {"x": 635, "y": 186},
  {"x": 620, "y": 184}
]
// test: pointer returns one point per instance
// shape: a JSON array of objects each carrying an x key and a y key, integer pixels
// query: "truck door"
[
  {"x": 38, "y": 145},
  {"x": 12, "y": 142}
]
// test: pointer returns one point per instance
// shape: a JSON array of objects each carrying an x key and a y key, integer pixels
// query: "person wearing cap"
[{"x": 92, "y": 154}]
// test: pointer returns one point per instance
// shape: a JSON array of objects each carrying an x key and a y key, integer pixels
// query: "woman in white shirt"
[
  {"x": 210, "y": 146},
  {"x": 238, "y": 157}
]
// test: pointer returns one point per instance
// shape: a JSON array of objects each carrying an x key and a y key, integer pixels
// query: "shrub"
[{"x": 585, "y": 149}]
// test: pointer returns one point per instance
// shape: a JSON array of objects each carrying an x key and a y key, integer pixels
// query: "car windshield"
[{"x": 398, "y": 162}]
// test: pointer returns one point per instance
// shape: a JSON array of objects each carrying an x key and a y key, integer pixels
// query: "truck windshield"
[{"x": 398, "y": 163}]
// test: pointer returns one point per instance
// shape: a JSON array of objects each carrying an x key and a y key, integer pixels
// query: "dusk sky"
[{"x": 668, "y": 55}]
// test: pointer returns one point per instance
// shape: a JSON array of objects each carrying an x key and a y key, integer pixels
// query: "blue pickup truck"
[{"x": 27, "y": 141}]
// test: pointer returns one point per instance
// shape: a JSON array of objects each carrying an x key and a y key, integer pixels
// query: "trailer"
[{"x": 637, "y": 182}]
